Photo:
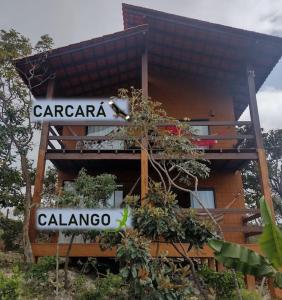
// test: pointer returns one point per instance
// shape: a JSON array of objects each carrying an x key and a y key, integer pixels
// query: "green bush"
[
  {"x": 11, "y": 231},
  {"x": 108, "y": 287},
  {"x": 10, "y": 286},
  {"x": 223, "y": 283},
  {"x": 249, "y": 295},
  {"x": 39, "y": 271}
]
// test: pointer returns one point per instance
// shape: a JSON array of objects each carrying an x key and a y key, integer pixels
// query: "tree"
[
  {"x": 16, "y": 129},
  {"x": 88, "y": 192},
  {"x": 177, "y": 165},
  {"x": 273, "y": 148},
  {"x": 11, "y": 184}
]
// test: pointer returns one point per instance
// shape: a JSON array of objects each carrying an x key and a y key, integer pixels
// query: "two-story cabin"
[{"x": 207, "y": 72}]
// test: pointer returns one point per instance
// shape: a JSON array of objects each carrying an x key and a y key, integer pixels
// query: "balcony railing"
[{"x": 222, "y": 137}]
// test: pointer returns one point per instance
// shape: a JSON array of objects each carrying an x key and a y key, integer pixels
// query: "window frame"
[{"x": 205, "y": 189}]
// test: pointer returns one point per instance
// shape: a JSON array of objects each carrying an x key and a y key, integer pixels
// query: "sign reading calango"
[
  {"x": 79, "y": 110},
  {"x": 82, "y": 219}
]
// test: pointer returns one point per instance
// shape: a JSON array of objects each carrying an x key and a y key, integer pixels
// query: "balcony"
[{"x": 223, "y": 144}]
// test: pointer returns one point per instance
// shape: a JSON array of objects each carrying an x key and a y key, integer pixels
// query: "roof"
[
  {"x": 93, "y": 67},
  {"x": 210, "y": 53}
]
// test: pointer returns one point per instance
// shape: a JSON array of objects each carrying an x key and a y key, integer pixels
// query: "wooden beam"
[
  {"x": 136, "y": 156},
  {"x": 93, "y": 249},
  {"x": 123, "y": 123},
  {"x": 75, "y": 137},
  {"x": 275, "y": 292},
  {"x": 92, "y": 156},
  {"x": 262, "y": 163},
  {"x": 250, "y": 229},
  {"x": 250, "y": 282},
  {"x": 144, "y": 149},
  {"x": 40, "y": 170}
]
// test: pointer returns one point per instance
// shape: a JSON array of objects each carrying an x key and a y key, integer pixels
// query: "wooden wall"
[{"x": 183, "y": 98}]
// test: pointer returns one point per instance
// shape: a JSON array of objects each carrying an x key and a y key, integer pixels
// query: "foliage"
[
  {"x": 11, "y": 184},
  {"x": 248, "y": 261},
  {"x": 271, "y": 239},
  {"x": 109, "y": 239},
  {"x": 249, "y": 295},
  {"x": 149, "y": 278},
  {"x": 241, "y": 258},
  {"x": 273, "y": 147},
  {"x": 149, "y": 122},
  {"x": 10, "y": 286},
  {"x": 89, "y": 191},
  {"x": 161, "y": 216},
  {"x": 16, "y": 129},
  {"x": 104, "y": 288},
  {"x": 49, "y": 187},
  {"x": 222, "y": 283},
  {"x": 11, "y": 233},
  {"x": 39, "y": 271}
]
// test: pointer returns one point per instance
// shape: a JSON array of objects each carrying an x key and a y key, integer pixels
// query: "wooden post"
[
  {"x": 250, "y": 282},
  {"x": 211, "y": 263},
  {"x": 275, "y": 292},
  {"x": 262, "y": 163},
  {"x": 144, "y": 153},
  {"x": 40, "y": 170}
]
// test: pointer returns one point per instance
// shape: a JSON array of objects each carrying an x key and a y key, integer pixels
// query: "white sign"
[
  {"x": 79, "y": 110},
  {"x": 82, "y": 219}
]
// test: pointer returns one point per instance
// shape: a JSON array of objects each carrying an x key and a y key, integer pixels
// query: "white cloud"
[{"x": 270, "y": 108}]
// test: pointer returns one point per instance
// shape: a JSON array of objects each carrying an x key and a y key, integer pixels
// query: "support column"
[
  {"x": 144, "y": 153},
  {"x": 250, "y": 282},
  {"x": 262, "y": 163},
  {"x": 40, "y": 170}
]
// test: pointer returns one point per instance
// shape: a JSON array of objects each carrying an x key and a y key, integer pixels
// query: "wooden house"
[{"x": 207, "y": 72}]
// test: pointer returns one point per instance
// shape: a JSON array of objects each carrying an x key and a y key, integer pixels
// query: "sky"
[{"x": 71, "y": 21}]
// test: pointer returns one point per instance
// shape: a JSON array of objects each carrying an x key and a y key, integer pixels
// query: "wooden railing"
[
  {"x": 223, "y": 136},
  {"x": 247, "y": 216}
]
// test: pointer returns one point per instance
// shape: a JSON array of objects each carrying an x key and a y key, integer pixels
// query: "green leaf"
[
  {"x": 265, "y": 211},
  {"x": 271, "y": 238},
  {"x": 241, "y": 258},
  {"x": 278, "y": 279}
]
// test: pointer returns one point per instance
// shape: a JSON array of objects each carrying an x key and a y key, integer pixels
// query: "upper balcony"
[{"x": 220, "y": 141}]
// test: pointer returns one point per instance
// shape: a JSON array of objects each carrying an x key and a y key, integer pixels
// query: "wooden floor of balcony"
[{"x": 222, "y": 159}]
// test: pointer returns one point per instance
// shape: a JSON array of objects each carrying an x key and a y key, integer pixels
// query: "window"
[
  {"x": 200, "y": 130},
  {"x": 104, "y": 145},
  {"x": 206, "y": 197},
  {"x": 114, "y": 201}
]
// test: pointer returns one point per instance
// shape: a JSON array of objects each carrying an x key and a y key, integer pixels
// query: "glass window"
[
  {"x": 200, "y": 130},
  {"x": 206, "y": 197},
  {"x": 104, "y": 145},
  {"x": 114, "y": 201}
]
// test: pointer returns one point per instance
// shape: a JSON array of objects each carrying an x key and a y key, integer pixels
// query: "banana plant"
[{"x": 247, "y": 261}]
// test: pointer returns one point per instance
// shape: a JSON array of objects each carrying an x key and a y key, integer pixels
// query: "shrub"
[
  {"x": 108, "y": 287},
  {"x": 39, "y": 271},
  {"x": 223, "y": 283},
  {"x": 249, "y": 295},
  {"x": 11, "y": 231},
  {"x": 10, "y": 286}
]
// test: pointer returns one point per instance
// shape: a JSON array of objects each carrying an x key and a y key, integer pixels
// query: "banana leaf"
[
  {"x": 271, "y": 239},
  {"x": 278, "y": 279},
  {"x": 241, "y": 259}
]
